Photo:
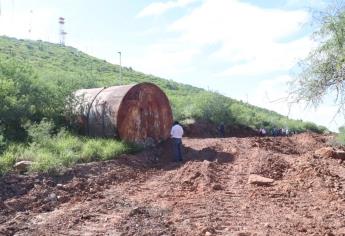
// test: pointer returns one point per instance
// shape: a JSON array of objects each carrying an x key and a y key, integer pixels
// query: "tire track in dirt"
[{"x": 208, "y": 194}]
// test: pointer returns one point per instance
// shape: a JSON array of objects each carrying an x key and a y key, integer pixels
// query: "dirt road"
[{"x": 208, "y": 194}]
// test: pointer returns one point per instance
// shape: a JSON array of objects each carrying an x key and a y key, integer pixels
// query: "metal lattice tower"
[
  {"x": 30, "y": 22},
  {"x": 62, "y": 31}
]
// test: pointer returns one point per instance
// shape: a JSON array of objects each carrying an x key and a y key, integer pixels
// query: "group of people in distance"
[{"x": 276, "y": 132}]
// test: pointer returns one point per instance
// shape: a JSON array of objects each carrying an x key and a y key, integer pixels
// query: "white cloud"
[
  {"x": 253, "y": 39},
  {"x": 159, "y": 8},
  {"x": 223, "y": 19},
  {"x": 267, "y": 58},
  {"x": 169, "y": 60}
]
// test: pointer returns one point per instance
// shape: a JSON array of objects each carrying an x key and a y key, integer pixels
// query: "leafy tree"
[
  {"x": 17, "y": 92},
  {"x": 26, "y": 98},
  {"x": 323, "y": 71}
]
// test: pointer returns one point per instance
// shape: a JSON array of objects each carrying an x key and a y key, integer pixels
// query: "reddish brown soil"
[{"x": 208, "y": 194}]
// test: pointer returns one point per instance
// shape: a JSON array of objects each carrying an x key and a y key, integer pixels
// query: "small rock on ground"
[
  {"x": 259, "y": 180},
  {"x": 325, "y": 152},
  {"x": 22, "y": 166}
]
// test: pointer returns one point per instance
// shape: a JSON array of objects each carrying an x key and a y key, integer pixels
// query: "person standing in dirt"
[
  {"x": 221, "y": 129},
  {"x": 176, "y": 135}
]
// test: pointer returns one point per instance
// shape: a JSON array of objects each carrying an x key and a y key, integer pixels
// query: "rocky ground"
[{"x": 218, "y": 190}]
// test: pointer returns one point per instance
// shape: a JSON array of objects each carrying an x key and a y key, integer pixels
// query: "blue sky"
[{"x": 246, "y": 49}]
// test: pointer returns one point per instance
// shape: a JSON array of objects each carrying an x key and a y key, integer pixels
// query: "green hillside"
[{"x": 70, "y": 69}]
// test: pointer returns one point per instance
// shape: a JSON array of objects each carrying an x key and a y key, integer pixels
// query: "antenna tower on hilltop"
[
  {"x": 30, "y": 22},
  {"x": 62, "y": 31}
]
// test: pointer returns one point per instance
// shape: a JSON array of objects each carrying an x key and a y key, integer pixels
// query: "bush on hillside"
[
  {"x": 207, "y": 106},
  {"x": 40, "y": 132},
  {"x": 314, "y": 128},
  {"x": 24, "y": 99},
  {"x": 214, "y": 108}
]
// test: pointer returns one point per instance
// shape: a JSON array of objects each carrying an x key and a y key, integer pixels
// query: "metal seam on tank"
[
  {"x": 89, "y": 109},
  {"x": 120, "y": 107}
]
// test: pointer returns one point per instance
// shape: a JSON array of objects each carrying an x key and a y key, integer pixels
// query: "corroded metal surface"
[{"x": 136, "y": 113}]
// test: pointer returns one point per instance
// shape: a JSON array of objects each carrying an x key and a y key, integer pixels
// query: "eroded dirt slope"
[{"x": 208, "y": 194}]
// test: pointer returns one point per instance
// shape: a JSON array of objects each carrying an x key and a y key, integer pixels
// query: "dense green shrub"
[
  {"x": 314, "y": 128},
  {"x": 26, "y": 98},
  {"x": 40, "y": 132}
]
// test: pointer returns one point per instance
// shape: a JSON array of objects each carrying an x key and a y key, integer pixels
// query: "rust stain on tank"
[{"x": 136, "y": 113}]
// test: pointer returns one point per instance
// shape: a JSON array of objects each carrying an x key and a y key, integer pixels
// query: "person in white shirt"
[
  {"x": 176, "y": 135},
  {"x": 263, "y": 131}
]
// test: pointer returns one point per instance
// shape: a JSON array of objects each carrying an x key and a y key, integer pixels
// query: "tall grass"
[{"x": 63, "y": 150}]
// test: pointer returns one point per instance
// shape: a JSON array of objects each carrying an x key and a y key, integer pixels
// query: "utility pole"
[{"x": 120, "y": 65}]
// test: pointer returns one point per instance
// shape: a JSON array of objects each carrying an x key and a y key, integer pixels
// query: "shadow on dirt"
[
  {"x": 202, "y": 129},
  {"x": 164, "y": 156}
]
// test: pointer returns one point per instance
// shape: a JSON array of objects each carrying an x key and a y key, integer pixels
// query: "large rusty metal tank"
[{"x": 136, "y": 113}]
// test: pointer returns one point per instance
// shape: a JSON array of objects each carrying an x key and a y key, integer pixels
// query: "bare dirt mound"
[
  {"x": 271, "y": 166},
  {"x": 207, "y": 194},
  {"x": 194, "y": 176}
]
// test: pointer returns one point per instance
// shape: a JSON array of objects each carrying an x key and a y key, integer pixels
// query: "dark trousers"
[{"x": 177, "y": 143}]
